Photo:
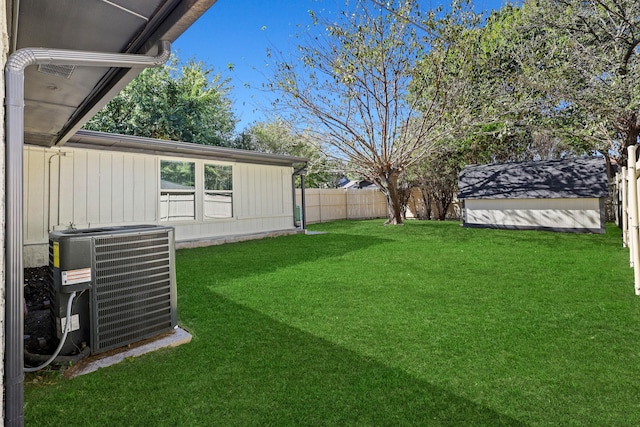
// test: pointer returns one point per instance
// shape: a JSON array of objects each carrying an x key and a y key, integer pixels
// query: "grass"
[{"x": 424, "y": 324}]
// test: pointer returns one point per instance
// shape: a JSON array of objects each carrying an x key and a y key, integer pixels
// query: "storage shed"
[
  {"x": 557, "y": 195},
  {"x": 208, "y": 194}
]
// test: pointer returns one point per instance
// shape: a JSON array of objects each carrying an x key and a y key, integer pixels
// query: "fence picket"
[{"x": 627, "y": 193}]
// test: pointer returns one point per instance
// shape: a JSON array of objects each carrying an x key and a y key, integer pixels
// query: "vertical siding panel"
[
  {"x": 64, "y": 193},
  {"x": 264, "y": 191},
  {"x": 80, "y": 192},
  {"x": 249, "y": 190},
  {"x": 152, "y": 192},
  {"x": 286, "y": 194},
  {"x": 138, "y": 189},
  {"x": 243, "y": 186},
  {"x": 26, "y": 152},
  {"x": 105, "y": 188},
  {"x": 27, "y": 193},
  {"x": 258, "y": 195},
  {"x": 279, "y": 189},
  {"x": 127, "y": 189},
  {"x": 35, "y": 195},
  {"x": 285, "y": 189},
  {"x": 117, "y": 188},
  {"x": 254, "y": 191},
  {"x": 271, "y": 190},
  {"x": 93, "y": 188}
]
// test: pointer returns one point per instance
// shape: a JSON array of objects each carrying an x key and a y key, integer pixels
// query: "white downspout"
[
  {"x": 632, "y": 200},
  {"x": 14, "y": 81}
]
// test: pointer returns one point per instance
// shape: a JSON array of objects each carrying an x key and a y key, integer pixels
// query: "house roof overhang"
[
  {"x": 136, "y": 144},
  {"x": 59, "y": 100}
]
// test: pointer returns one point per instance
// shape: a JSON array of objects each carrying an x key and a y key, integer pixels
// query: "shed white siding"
[
  {"x": 553, "y": 214},
  {"x": 559, "y": 195},
  {"x": 81, "y": 188}
]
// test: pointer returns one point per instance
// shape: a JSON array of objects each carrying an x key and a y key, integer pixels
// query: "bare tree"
[{"x": 351, "y": 85}]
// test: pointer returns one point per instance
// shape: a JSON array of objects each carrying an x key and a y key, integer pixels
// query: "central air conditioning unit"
[{"x": 124, "y": 278}]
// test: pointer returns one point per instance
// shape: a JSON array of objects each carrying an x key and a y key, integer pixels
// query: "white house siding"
[
  {"x": 81, "y": 188},
  {"x": 558, "y": 214}
]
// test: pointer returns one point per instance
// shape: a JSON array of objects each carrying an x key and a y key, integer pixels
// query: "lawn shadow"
[
  {"x": 236, "y": 260},
  {"x": 246, "y": 369},
  {"x": 269, "y": 373}
]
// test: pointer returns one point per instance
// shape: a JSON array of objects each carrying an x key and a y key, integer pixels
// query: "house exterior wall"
[
  {"x": 82, "y": 188},
  {"x": 4, "y": 45},
  {"x": 575, "y": 214}
]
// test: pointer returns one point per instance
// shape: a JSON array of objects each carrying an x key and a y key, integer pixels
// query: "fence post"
[
  {"x": 625, "y": 209},
  {"x": 633, "y": 215}
]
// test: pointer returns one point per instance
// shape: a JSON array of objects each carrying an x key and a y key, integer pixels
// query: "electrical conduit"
[{"x": 66, "y": 330}]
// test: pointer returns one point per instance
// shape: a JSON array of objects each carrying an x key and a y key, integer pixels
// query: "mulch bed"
[{"x": 38, "y": 325}]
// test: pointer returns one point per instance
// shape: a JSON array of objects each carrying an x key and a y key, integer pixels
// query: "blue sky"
[{"x": 239, "y": 32}]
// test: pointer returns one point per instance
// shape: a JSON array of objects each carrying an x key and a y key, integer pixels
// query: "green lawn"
[{"x": 422, "y": 324}]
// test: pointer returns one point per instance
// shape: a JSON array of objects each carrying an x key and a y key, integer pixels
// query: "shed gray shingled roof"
[{"x": 550, "y": 179}]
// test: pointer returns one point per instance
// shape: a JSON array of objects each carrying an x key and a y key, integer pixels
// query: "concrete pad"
[{"x": 172, "y": 339}]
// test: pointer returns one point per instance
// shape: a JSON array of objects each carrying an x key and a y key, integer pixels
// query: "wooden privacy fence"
[
  {"x": 335, "y": 204},
  {"x": 324, "y": 205},
  {"x": 627, "y": 198}
]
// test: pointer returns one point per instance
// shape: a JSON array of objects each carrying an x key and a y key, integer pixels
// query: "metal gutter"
[
  {"x": 114, "y": 142},
  {"x": 14, "y": 275}
]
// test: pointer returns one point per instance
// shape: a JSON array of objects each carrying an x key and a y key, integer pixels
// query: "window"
[
  {"x": 177, "y": 191},
  {"x": 218, "y": 191}
]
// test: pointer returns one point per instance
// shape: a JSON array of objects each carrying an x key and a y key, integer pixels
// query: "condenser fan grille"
[{"x": 133, "y": 296}]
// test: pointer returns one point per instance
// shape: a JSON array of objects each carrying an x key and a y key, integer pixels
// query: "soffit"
[{"x": 58, "y": 101}]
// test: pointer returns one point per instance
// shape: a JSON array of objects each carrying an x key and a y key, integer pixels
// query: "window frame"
[
  {"x": 169, "y": 192},
  {"x": 217, "y": 192}
]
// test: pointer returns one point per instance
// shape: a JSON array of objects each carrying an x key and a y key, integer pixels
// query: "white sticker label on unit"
[
  {"x": 72, "y": 277},
  {"x": 74, "y": 325}
]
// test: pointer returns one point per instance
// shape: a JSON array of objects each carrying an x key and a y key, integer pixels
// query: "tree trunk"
[
  {"x": 443, "y": 208},
  {"x": 426, "y": 199},
  {"x": 629, "y": 126},
  {"x": 389, "y": 185},
  {"x": 443, "y": 201}
]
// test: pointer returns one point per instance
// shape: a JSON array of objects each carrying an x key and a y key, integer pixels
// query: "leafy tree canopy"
[
  {"x": 187, "y": 102},
  {"x": 584, "y": 55},
  {"x": 279, "y": 137}
]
